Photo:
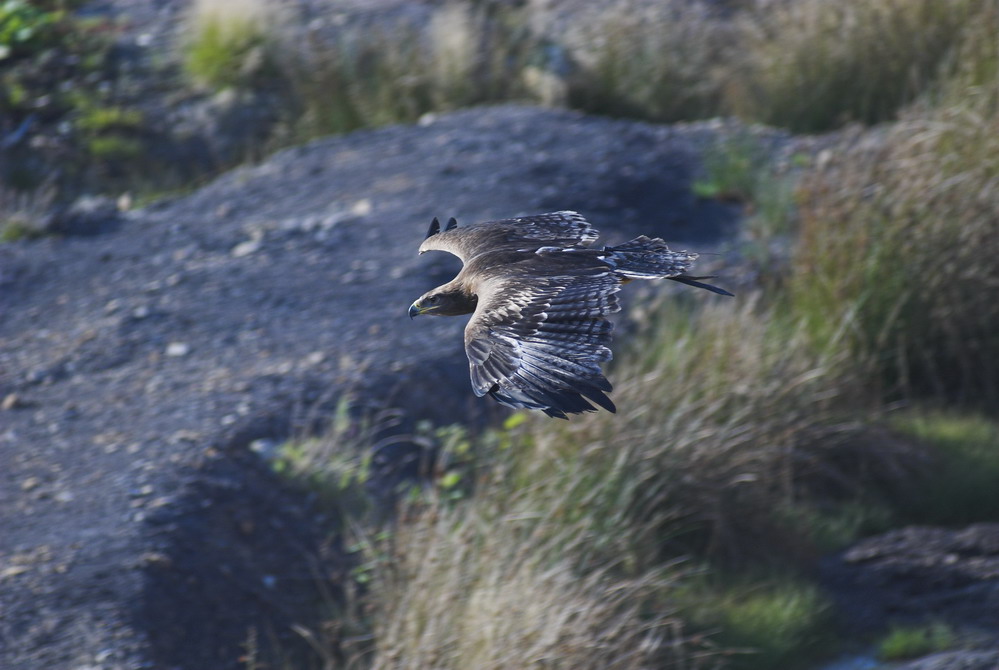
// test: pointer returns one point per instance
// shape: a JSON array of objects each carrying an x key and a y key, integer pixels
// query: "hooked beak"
[{"x": 414, "y": 310}]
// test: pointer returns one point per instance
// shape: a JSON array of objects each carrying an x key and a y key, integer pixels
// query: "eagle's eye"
[{"x": 433, "y": 300}]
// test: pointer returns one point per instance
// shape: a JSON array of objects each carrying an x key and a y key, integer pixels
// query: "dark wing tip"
[
  {"x": 452, "y": 223},
  {"x": 435, "y": 227}
]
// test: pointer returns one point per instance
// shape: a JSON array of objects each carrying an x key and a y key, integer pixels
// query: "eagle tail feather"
[{"x": 692, "y": 281}]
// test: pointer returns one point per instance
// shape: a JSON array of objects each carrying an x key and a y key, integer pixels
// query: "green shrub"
[{"x": 735, "y": 166}]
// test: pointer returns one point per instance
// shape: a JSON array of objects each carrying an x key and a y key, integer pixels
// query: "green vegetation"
[
  {"x": 959, "y": 487},
  {"x": 14, "y": 228},
  {"x": 904, "y": 642},
  {"x": 767, "y": 623},
  {"x": 25, "y": 27},
  {"x": 230, "y": 43}
]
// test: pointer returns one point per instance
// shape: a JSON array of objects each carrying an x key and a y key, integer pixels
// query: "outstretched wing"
[
  {"x": 562, "y": 229},
  {"x": 537, "y": 341}
]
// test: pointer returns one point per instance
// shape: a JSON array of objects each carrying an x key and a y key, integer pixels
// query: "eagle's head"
[{"x": 443, "y": 301}]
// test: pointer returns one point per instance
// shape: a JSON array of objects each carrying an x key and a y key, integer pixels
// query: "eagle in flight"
[{"x": 539, "y": 295}]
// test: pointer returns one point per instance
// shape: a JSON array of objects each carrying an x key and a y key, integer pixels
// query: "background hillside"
[{"x": 222, "y": 444}]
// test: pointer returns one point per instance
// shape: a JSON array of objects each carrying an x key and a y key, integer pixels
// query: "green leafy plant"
[{"x": 25, "y": 27}]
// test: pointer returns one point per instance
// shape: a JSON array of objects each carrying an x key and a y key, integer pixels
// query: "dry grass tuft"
[
  {"x": 479, "y": 587},
  {"x": 231, "y": 42},
  {"x": 25, "y": 214},
  {"x": 725, "y": 415}
]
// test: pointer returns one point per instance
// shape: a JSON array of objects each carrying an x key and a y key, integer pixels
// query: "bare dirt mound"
[{"x": 137, "y": 364}]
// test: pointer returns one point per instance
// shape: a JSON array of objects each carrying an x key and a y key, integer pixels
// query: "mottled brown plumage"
[{"x": 539, "y": 296}]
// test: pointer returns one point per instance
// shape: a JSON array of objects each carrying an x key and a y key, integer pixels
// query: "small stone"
[
  {"x": 177, "y": 349},
  {"x": 315, "y": 358},
  {"x": 140, "y": 312},
  {"x": 246, "y": 248},
  {"x": 11, "y": 401},
  {"x": 13, "y": 571},
  {"x": 141, "y": 491},
  {"x": 30, "y": 483},
  {"x": 64, "y": 496}
]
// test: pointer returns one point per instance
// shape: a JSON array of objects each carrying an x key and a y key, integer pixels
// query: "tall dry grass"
[
  {"x": 726, "y": 415},
  {"x": 567, "y": 552},
  {"x": 496, "y": 583},
  {"x": 812, "y": 65},
  {"x": 658, "y": 61},
  {"x": 808, "y": 65},
  {"x": 899, "y": 240}
]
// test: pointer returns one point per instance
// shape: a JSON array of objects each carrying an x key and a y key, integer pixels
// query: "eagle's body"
[{"x": 539, "y": 296}]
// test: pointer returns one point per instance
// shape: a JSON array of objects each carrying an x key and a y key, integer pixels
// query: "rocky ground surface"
[{"x": 922, "y": 575}]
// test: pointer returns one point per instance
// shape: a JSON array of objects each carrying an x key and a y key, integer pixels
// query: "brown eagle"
[{"x": 539, "y": 296}]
